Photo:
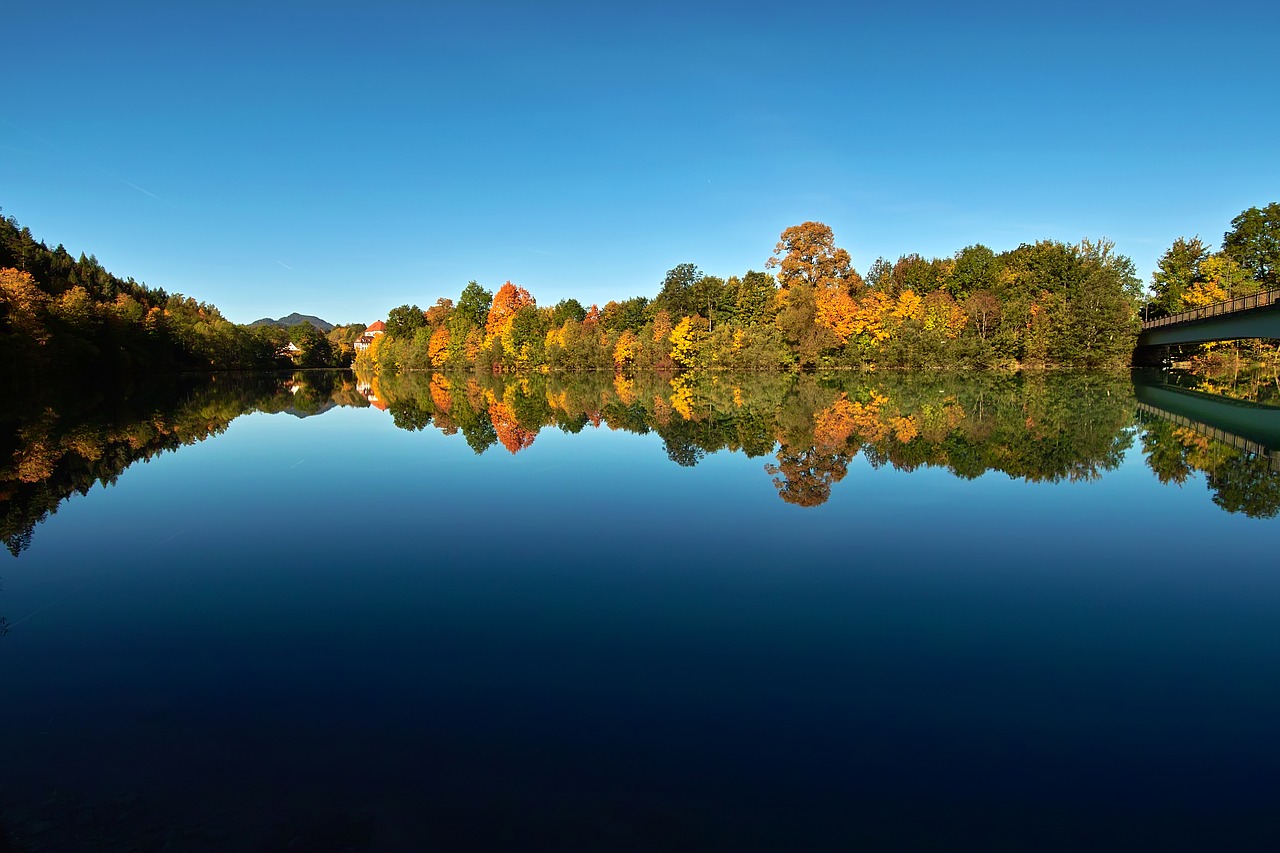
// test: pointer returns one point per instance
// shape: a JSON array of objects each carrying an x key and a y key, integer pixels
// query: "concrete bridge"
[
  {"x": 1256, "y": 316},
  {"x": 1246, "y": 426}
]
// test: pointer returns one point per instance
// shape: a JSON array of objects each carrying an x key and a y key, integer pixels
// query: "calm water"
[{"x": 753, "y": 613}]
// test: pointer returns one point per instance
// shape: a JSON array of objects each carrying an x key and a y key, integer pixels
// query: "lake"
[{"x": 324, "y": 611}]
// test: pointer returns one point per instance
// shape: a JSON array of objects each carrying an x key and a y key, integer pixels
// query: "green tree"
[
  {"x": 1254, "y": 243},
  {"x": 473, "y": 305},
  {"x": 756, "y": 298},
  {"x": 677, "y": 294},
  {"x": 1176, "y": 271},
  {"x": 975, "y": 269},
  {"x": 403, "y": 321},
  {"x": 566, "y": 308},
  {"x": 629, "y": 314}
]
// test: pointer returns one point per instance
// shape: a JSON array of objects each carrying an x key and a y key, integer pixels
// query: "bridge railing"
[{"x": 1229, "y": 306}]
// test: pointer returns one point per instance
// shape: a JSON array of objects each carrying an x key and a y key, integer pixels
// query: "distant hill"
[{"x": 293, "y": 320}]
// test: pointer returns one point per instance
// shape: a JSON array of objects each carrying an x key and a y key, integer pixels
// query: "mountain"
[{"x": 294, "y": 319}]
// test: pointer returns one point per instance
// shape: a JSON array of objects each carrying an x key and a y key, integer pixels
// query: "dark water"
[{"x": 753, "y": 613}]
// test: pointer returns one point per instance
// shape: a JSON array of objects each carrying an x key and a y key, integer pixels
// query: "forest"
[{"x": 63, "y": 317}]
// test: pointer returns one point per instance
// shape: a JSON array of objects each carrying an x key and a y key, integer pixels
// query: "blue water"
[{"x": 331, "y": 633}]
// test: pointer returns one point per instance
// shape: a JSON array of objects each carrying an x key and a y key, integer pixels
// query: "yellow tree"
[
  {"x": 25, "y": 304},
  {"x": 625, "y": 351},
  {"x": 686, "y": 341},
  {"x": 838, "y": 311},
  {"x": 1223, "y": 278}
]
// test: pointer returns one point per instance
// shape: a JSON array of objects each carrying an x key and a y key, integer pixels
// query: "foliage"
[
  {"x": 1254, "y": 243},
  {"x": 404, "y": 321}
]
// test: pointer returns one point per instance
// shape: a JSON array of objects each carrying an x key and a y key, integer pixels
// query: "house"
[{"x": 372, "y": 331}]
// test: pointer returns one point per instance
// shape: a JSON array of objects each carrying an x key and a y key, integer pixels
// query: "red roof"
[{"x": 376, "y": 326}]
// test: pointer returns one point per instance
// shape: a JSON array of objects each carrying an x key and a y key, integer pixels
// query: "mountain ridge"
[{"x": 294, "y": 319}]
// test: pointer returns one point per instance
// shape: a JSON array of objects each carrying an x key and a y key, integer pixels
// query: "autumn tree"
[
  {"x": 686, "y": 341},
  {"x": 1224, "y": 275},
  {"x": 626, "y": 350},
  {"x": 817, "y": 282},
  {"x": 439, "y": 313},
  {"x": 807, "y": 254},
  {"x": 506, "y": 302}
]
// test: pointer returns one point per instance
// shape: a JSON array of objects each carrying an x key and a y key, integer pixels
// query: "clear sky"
[{"x": 342, "y": 158}]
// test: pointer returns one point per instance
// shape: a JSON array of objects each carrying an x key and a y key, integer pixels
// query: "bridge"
[
  {"x": 1256, "y": 316},
  {"x": 1250, "y": 427}
]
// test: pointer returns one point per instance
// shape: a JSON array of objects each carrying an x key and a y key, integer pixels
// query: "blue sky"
[{"x": 340, "y": 159}]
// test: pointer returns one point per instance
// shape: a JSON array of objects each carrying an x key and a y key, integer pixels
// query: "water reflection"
[
  {"x": 1051, "y": 428},
  {"x": 1046, "y": 429},
  {"x": 1235, "y": 443}
]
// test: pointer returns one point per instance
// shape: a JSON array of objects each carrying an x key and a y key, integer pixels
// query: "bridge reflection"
[
  {"x": 1234, "y": 444},
  {"x": 1245, "y": 426}
]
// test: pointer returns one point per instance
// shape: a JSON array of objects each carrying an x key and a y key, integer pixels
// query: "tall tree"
[
  {"x": 403, "y": 321},
  {"x": 813, "y": 275},
  {"x": 1176, "y": 271},
  {"x": 807, "y": 254},
  {"x": 506, "y": 302},
  {"x": 677, "y": 294},
  {"x": 1254, "y": 243},
  {"x": 473, "y": 306}
]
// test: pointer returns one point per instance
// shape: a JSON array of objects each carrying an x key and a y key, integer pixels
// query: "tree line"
[
  {"x": 1047, "y": 304},
  {"x": 1043, "y": 305}
]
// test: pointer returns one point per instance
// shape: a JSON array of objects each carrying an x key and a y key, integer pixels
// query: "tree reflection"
[
  {"x": 805, "y": 478},
  {"x": 1043, "y": 428},
  {"x": 1241, "y": 482}
]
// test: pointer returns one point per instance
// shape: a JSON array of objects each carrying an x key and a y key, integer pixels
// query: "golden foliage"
[
  {"x": 626, "y": 350},
  {"x": 942, "y": 314},
  {"x": 837, "y": 310},
  {"x": 24, "y": 303},
  {"x": 686, "y": 341},
  {"x": 909, "y": 306},
  {"x": 438, "y": 346},
  {"x": 1203, "y": 293},
  {"x": 905, "y": 429}
]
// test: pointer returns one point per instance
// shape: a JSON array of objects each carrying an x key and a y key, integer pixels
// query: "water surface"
[{"x": 742, "y": 612}]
